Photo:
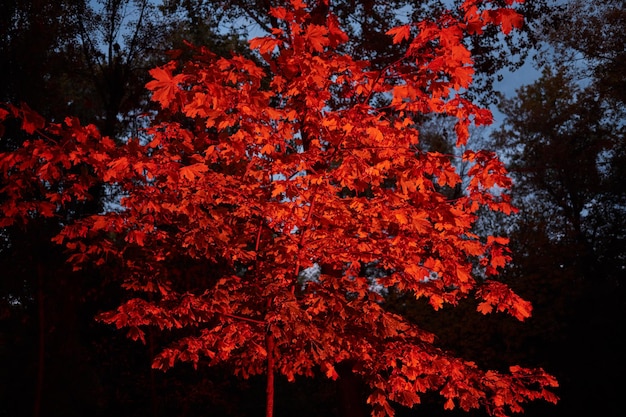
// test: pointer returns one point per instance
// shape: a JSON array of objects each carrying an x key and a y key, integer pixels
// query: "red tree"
[{"x": 256, "y": 173}]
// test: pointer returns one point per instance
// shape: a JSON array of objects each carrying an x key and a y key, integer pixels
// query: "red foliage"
[{"x": 263, "y": 177}]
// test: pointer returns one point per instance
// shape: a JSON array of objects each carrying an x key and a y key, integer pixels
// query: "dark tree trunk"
[
  {"x": 269, "y": 402},
  {"x": 41, "y": 348},
  {"x": 350, "y": 392}
]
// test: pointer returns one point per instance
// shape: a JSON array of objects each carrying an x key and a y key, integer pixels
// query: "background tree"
[
  {"x": 564, "y": 139},
  {"x": 594, "y": 50},
  {"x": 89, "y": 59},
  {"x": 86, "y": 58}
]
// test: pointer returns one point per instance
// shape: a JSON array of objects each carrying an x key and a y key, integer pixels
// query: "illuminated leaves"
[
  {"x": 400, "y": 33},
  {"x": 265, "y": 45},
  {"x": 317, "y": 36},
  {"x": 193, "y": 172},
  {"x": 508, "y": 19},
  {"x": 165, "y": 85},
  {"x": 31, "y": 121},
  {"x": 260, "y": 178},
  {"x": 501, "y": 298}
]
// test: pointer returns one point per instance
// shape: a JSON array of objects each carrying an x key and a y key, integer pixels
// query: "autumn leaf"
[
  {"x": 484, "y": 307},
  {"x": 449, "y": 405},
  {"x": 506, "y": 18},
  {"x": 375, "y": 134},
  {"x": 192, "y": 172},
  {"x": 266, "y": 44},
  {"x": 336, "y": 35},
  {"x": 164, "y": 86},
  {"x": 279, "y": 13},
  {"x": 330, "y": 371},
  {"x": 3, "y": 114},
  {"x": 400, "y": 33},
  {"x": 510, "y": 19},
  {"x": 136, "y": 236},
  {"x": 117, "y": 168},
  {"x": 317, "y": 37},
  {"x": 31, "y": 120}
]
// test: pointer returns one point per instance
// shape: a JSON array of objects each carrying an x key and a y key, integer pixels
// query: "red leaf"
[
  {"x": 266, "y": 44},
  {"x": 400, "y": 33},
  {"x": 317, "y": 37},
  {"x": 191, "y": 172},
  {"x": 164, "y": 86},
  {"x": 31, "y": 120},
  {"x": 117, "y": 168},
  {"x": 279, "y": 13},
  {"x": 506, "y": 18},
  {"x": 136, "y": 236}
]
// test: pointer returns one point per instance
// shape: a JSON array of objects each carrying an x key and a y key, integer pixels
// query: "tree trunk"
[
  {"x": 269, "y": 402},
  {"x": 350, "y": 392},
  {"x": 41, "y": 348}
]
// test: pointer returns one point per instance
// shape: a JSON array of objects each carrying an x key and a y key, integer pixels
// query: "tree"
[
  {"x": 564, "y": 143},
  {"x": 61, "y": 57},
  {"x": 568, "y": 236},
  {"x": 89, "y": 58},
  {"x": 583, "y": 36},
  {"x": 249, "y": 178}
]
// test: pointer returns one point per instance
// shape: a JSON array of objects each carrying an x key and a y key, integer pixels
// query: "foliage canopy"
[{"x": 254, "y": 174}]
